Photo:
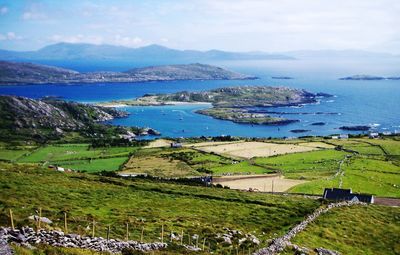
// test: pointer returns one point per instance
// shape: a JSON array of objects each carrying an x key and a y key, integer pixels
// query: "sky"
[{"x": 235, "y": 25}]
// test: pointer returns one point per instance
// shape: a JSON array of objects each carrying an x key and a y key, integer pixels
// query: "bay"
[{"x": 374, "y": 103}]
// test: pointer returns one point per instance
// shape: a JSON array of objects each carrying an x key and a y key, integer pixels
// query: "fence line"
[{"x": 127, "y": 231}]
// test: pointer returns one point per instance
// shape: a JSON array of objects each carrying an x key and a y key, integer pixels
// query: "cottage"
[
  {"x": 387, "y": 133},
  {"x": 373, "y": 135},
  {"x": 335, "y": 137},
  {"x": 176, "y": 145},
  {"x": 346, "y": 195},
  {"x": 344, "y": 136},
  {"x": 60, "y": 169}
]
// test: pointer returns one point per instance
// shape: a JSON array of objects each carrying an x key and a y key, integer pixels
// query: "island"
[
  {"x": 355, "y": 128},
  {"x": 282, "y": 78},
  {"x": 299, "y": 130},
  {"x": 318, "y": 124},
  {"x": 13, "y": 73},
  {"x": 233, "y": 103},
  {"x": 363, "y": 77}
]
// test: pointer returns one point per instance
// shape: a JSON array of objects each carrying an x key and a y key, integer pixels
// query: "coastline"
[{"x": 119, "y": 105}]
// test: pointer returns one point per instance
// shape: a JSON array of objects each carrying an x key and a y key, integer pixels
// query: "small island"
[
  {"x": 233, "y": 103},
  {"x": 282, "y": 78},
  {"x": 299, "y": 130},
  {"x": 363, "y": 77},
  {"x": 12, "y": 73},
  {"x": 355, "y": 128}
]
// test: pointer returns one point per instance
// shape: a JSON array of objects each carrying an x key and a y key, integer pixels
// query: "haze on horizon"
[{"x": 235, "y": 25}]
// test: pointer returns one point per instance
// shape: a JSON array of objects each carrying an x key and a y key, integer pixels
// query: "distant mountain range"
[
  {"x": 28, "y": 73},
  {"x": 155, "y": 53}
]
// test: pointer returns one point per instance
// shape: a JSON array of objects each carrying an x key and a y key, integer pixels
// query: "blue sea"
[{"x": 374, "y": 103}]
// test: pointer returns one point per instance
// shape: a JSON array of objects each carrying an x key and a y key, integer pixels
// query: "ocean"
[{"x": 373, "y": 103}]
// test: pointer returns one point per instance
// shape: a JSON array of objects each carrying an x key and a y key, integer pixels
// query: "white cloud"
[
  {"x": 79, "y": 38},
  {"x": 10, "y": 36},
  {"x": 239, "y": 25},
  {"x": 34, "y": 11},
  {"x": 127, "y": 41},
  {"x": 3, "y": 10}
]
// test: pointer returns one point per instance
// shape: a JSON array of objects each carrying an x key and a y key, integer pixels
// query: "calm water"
[{"x": 375, "y": 103}]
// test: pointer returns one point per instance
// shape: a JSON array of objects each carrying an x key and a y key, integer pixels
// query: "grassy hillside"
[
  {"x": 355, "y": 230},
  {"x": 148, "y": 204}
]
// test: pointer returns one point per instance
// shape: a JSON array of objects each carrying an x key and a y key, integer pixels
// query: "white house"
[{"x": 373, "y": 135}]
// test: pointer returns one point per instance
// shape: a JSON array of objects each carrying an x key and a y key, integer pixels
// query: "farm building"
[
  {"x": 373, "y": 135},
  {"x": 176, "y": 145},
  {"x": 346, "y": 195},
  {"x": 344, "y": 136}
]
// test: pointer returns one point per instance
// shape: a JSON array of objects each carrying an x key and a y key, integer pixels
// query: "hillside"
[
  {"x": 187, "y": 72},
  {"x": 27, "y": 73},
  {"x": 29, "y": 117},
  {"x": 11, "y": 72}
]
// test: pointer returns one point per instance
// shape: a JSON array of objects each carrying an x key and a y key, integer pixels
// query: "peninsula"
[
  {"x": 233, "y": 103},
  {"x": 13, "y": 73},
  {"x": 48, "y": 119}
]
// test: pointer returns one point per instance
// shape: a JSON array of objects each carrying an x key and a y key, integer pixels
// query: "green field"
[
  {"x": 368, "y": 165},
  {"x": 243, "y": 167},
  {"x": 12, "y": 155},
  {"x": 305, "y": 165},
  {"x": 64, "y": 152},
  {"x": 94, "y": 165},
  {"x": 168, "y": 162},
  {"x": 371, "y": 166},
  {"x": 73, "y": 156},
  {"x": 196, "y": 210}
]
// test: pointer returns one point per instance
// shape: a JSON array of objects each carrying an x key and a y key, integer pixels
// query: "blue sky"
[{"x": 238, "y": 25}]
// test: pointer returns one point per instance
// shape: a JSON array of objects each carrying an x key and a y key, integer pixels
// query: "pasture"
[
  {"x": 145, "y": 204},
  {"x": 354, "y": 230},
  {"x": 249, "y": 150},
  {"x": 263, "y": 183}
]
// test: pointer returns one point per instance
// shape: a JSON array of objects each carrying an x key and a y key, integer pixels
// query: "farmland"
[
  {"x": 149, "y": 204},
  {"x": 75, "y": 156},
  {"x": 270, "y": 183},
  {"x": 306, "y": 165},
  {"x": 249, "y": 150},
  {"x": 365, "y": 165}
]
